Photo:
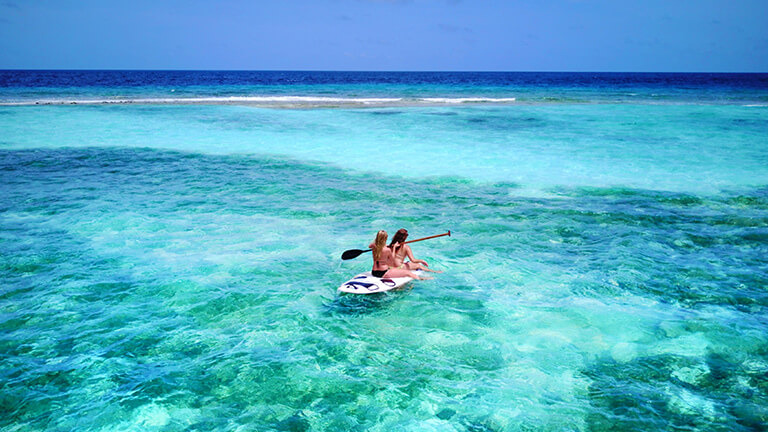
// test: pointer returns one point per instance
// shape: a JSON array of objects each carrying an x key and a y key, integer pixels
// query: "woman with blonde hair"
[{"x": 382, "y": 256}]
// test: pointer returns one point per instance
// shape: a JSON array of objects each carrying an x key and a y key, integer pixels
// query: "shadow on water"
[
  {"x": 385, "y": 112},
  {"x": 352, "y": 305}
]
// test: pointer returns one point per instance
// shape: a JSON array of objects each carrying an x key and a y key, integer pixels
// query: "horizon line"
[{"x": 365, "y": 71}]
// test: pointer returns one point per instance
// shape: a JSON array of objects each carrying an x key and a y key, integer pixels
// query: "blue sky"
[{"x": 457, "y": 35}]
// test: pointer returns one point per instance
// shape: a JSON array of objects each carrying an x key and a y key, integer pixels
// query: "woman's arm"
[{"x": 409, "y": 254}]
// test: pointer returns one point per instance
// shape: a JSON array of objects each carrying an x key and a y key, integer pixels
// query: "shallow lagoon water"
[
  {"x": 174, "y": 268},
  {"x": 698, "y": 149}
]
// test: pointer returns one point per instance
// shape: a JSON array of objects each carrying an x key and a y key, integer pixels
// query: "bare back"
[
  {"x": 398, "y": 255},
  {"x": 383, "y": 263}
]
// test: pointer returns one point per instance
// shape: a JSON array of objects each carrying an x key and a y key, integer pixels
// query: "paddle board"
[{"x": 365, "y": 283}]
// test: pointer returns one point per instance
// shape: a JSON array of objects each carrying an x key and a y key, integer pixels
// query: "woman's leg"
[
  {"x": 415, "y": 266},
  {"x": 393, "y": 273}
]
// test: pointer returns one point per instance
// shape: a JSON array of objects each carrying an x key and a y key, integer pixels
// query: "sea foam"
[{"x": 267, "y": 101}]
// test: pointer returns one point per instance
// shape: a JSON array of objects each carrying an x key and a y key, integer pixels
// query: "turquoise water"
[{"x": 174, "y": 267}]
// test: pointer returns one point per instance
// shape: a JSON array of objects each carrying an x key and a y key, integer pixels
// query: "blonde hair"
[{"x": 379, "y": 244}]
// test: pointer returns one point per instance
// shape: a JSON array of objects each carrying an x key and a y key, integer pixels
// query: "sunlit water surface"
[{"x": 171, "y": 267}]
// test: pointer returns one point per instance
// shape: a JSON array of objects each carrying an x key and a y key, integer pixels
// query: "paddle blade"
[{"x": 353, "y": 253}]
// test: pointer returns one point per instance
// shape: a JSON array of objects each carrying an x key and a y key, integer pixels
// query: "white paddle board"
[{"x": 365, "y": 283}]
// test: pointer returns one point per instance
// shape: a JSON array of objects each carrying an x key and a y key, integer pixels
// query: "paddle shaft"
[
  {"x": 423, "y": 238},
  {"x": 354, "y": 253},
  {"x": 430, "y": 237}
]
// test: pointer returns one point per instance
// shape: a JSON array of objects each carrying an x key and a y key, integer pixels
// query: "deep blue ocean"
[
  {"x": 171, "y": 247},
  {"x": 376, "y": 88}
]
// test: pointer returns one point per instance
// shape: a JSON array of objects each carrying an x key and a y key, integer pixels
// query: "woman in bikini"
[
  {"x": 400, "y": 251},
  {"x": 382, "y": 255}
]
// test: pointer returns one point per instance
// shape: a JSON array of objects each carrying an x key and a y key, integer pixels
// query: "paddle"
[{"x": 354, "y": 253}]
